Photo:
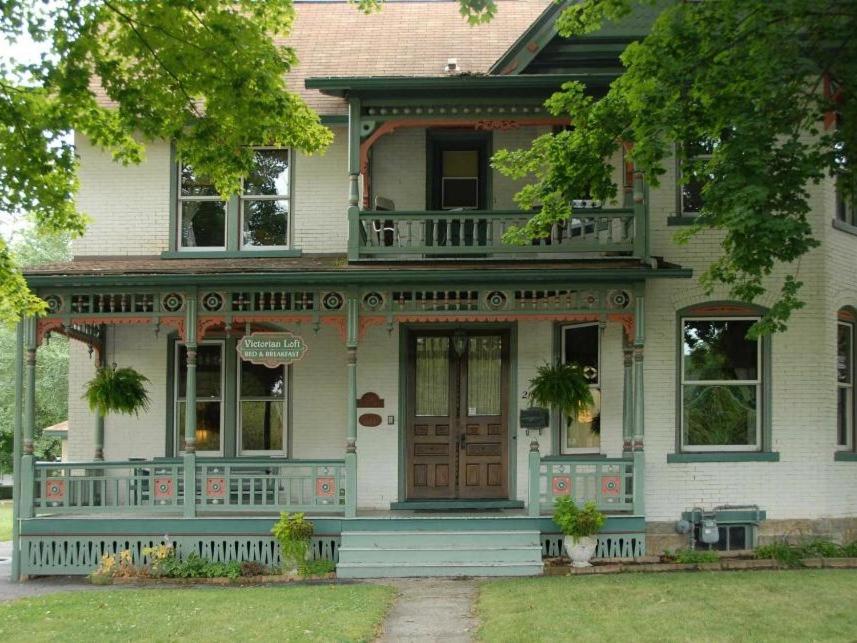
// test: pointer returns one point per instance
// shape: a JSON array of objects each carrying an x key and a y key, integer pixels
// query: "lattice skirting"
[
  {"x": 75, "y": 555},
  {"x": 609, "y": 545}
]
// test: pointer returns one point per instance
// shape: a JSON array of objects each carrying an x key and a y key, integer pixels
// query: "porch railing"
[
  {"x": 247, "y": 485},
  {"x": 479, "y": 233},
  {"x": 609, "y": 482},
  {"x": 159, "y": 486}
]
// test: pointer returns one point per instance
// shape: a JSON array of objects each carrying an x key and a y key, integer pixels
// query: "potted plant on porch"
[
  {"x": 563, "y": 387},
  {"x": 580, "y": 527}
]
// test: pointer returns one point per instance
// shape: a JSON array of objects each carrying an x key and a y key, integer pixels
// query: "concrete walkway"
[
  {"x": 37, "y": 586},
  {"x": 431, "y": 609}
]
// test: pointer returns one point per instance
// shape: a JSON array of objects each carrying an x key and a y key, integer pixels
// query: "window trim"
[
  {"x": 563, "y": 449},
  {"x": 234, "y": 243},
  {"x": 239, "y": 428},
  {"x": 179, "y": 430},
  {"x": 683, "y": 217},
  {"x": 181, "y": 200},
  {"x": 762, "y": 450},
  {"x": 846, "y": 318}
]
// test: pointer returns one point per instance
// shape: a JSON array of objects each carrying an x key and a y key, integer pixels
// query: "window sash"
[
  {"x": 233, "y": 219},
  {"x": 219, "y": 399},
  {"x": 683, "y": 211},
  {"x": 595, "y": 386},
  {"x": 283, "y": 399},
  {"x": 757, "y": 382}
]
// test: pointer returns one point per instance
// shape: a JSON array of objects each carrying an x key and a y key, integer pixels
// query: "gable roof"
[{"x": 414, "y": 38}]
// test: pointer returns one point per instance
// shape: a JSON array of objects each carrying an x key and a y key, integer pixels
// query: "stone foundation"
[{"x": 661, "y": 536}]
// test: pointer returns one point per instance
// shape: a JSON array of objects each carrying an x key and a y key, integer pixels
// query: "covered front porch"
[{"x": 70, "y": 511}]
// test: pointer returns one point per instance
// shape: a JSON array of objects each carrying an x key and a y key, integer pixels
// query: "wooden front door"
[{"x": 457, "y": 427}]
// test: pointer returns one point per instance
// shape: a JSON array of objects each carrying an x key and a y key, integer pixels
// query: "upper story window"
[
  {"x": 721, "y": 385},
  {"x": 693, "y": 177},
  {"x": 258, "y": 219},
  {"x": 581, "y": 344}
]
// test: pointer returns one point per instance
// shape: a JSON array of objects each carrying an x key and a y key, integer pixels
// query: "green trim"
[
  {"x": 62, "y": 435},
  {"x": 724, "y": 456},
  {"x": 402, "y": 276},
  {"x": 845, "y": 456},
  {"x": 541, "y": 32},
  {"x": 230, "y": 399},
  {"x": 512, "y": 474},
  {"x": 402, "y": 407},
  {"x": 174, "y": 197},
  {"x": 16, "y": 449},
  {"x": 228, "y": 254},
  {"x": 681, "y": 220},
  {"x": 445, "y": 505},
  {"x": 334, "y": 119},
  {"x": 736, "y": 516},
  {"x": 355, "y": 85},
  {"x": 170, "y": 446},
  {"x": 578, "y": 456}
]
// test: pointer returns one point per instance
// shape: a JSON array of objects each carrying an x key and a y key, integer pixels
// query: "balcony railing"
[
  {"x": 158, "y": 486},
  {"x": 479, "y": 234}
]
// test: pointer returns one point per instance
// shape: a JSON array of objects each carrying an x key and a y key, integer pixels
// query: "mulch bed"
[{"x": 561, "y": 566}]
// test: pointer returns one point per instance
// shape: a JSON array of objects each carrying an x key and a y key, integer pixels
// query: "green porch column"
[
  {"x": 16, "y": 451},
  {"x": 641, "y": 223},
  {"x": 535, "y": 462},
  {"x": 353, "y": 179},
  {"x": 639, "y": 405},
  {"x": 27, "y": 477},
  {"x": 190, "y": 410},
  {"x": 627, "y": 398},
  {"x": 351, "y": 311},
  {"x": 99, "y": 417}
]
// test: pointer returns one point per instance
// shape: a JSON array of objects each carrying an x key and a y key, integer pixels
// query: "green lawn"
[
  {"x": 285, "y": 613},
  {"x": 730, "y": 606},
  {"x": 5, "y": 520}
]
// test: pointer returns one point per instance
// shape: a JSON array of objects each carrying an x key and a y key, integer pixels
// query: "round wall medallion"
[
  {"x": 172, "y": 302},
  {"x": 618, "y": 298},
  {"x": 370, "y": 420},
  {"x": 496, "y": 300},
  {"x": 373, "y": 300},
  {"x": 212, "y": 301},
  {"x": 332, "y": 301},
  {"x": 54, "y": 303}
]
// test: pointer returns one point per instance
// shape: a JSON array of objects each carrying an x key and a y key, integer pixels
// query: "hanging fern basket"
[{"x": 117, "y": 390}]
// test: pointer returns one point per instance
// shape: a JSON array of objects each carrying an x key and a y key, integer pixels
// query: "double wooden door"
[{"x": 457, "y": 426}]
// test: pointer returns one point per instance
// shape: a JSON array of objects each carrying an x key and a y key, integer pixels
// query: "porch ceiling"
[{"x": 335, "y": 269}]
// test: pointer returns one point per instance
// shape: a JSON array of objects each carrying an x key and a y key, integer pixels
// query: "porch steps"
[{"x": 421, "y": 552}]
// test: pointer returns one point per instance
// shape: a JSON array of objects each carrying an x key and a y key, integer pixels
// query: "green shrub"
[
  {"x": 319, "y": 567},
  {"x": 821, "y": 549},
  {"x": 195, "y": 566},
  {"x": 294, "y": 534},
  {"x": 577, "y": 522},
  {"x": 850, "y": 550},
  {"x": 693, "y": 556}
]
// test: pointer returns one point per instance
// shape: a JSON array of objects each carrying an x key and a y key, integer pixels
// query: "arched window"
[{"x": 845, "y": 378}]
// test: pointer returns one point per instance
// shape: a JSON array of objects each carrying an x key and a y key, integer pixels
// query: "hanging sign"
[{"x": 272, "y": 349}]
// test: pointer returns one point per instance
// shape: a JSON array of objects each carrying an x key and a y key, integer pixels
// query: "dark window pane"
[
  {"x": 207, "y": 425},
  {"x": 208, "y": 370},
  {"x": 719, "y": 350},
  {"x": 843, "y": 353},
  {"x": 261, "y": 381},
  {"x": 720, "y": 415},
  {"x": 843, "y": 415},
  {"x": 203, "y": 224},
  {"x": 460, "y": 193},
  {"x": 270, "y": 175},
  {"x": 581, "y": 347},
  {"x": 266, "y": 222},
  {"x": 691, "y": 196},
  {"x": 262, "y": 426},
  {"x": 192, "y": 185}
]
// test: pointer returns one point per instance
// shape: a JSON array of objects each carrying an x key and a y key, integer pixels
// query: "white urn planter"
[{"x": 581, "y": 550}]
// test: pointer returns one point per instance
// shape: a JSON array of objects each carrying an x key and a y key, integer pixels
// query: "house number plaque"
[{"x": 272, "y": 349}]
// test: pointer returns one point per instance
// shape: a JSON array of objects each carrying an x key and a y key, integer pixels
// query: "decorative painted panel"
[{"x": 609, "y": 545}]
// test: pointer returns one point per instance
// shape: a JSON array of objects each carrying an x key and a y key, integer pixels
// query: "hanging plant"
[
  {"x": 117, "y": 390},
  {"x": 563, "y": 387}
]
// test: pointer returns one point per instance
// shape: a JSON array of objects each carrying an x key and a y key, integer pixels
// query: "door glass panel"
[
  {"x": 207, "y": 425},
  {"x": 484, "y": 376},
  {"x": 432, "y": 376}
]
